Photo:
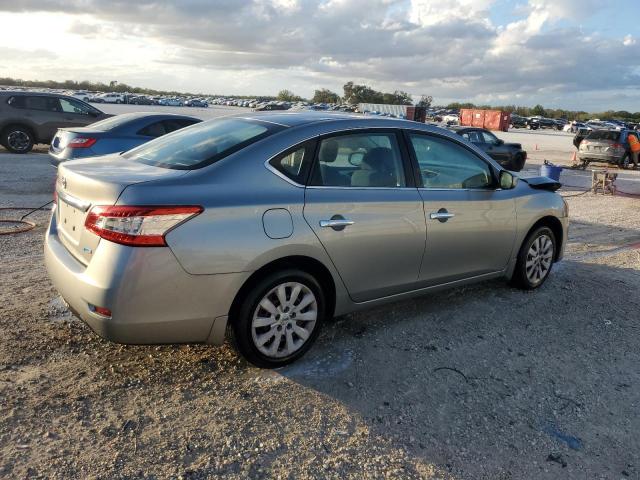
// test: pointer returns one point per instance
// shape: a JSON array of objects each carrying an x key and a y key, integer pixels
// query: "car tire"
[
  {"x": 624, "y": 163},
  {"x": 271, "y": 337},
  {"x": 17, "y": 139},
  {"x": 535, "y": 259},
  {"x": 118, "y": 101},
  {"x": 518, "y": 162}
]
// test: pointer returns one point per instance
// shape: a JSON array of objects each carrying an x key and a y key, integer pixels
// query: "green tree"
[
  {"x": 538, "y": 110},
  {"x": 325, "y": 95},
  {"x": 397, "y": 98},
  {"x": 288, "y": 96},
  {"x": 355, "y": 94},
  {"x": 425, "y": 101}
]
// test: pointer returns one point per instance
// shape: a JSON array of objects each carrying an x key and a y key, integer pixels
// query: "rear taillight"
[
  {"x": 81, "y": 142},
  {"x": 138, "y": 226}
]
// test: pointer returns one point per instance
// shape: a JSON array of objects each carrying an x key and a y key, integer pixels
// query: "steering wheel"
[{"x": 426, "y": 173}]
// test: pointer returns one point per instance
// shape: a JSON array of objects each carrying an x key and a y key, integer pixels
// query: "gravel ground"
[{"x": 480, "y": 382}]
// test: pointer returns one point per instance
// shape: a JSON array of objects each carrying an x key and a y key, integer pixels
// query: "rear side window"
[
  {"x": 295, "y": 164},
  {"x": 202, "y": 144}
]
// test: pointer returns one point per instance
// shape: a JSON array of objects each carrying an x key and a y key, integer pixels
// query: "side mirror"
[
  {"x": 507, "y": 180},
  {"x": 499, "y": 142},
  {"x": 93, "y": 113}
]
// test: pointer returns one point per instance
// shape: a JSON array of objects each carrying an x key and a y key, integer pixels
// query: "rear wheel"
[
  {"x": 624, "y": 163},
  {"x": 17, "y": 139},
  {"x": 279, "y": 319},
  {"x": 535, "y": 259}
]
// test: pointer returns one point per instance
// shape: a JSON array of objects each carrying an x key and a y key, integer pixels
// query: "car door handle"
[
  {"x": 336, "y": 223},
  {"x": 441, "y": 215}
]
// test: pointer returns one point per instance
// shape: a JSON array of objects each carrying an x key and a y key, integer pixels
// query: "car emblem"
[{"x": 63, "y": 181}]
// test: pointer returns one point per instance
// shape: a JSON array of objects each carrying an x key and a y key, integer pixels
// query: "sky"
[{"x": 573, "y": 54}]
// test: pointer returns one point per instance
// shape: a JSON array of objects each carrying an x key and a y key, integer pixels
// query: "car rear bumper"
[
  {"x": 56, "y": 157},
  {"x": 599, "y": 157},
  {"x": 151, "y": 298}
]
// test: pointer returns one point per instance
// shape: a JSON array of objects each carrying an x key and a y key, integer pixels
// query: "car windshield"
[
  {"x": 604, "y": 135},
  {"x": 201, "y": 144}
]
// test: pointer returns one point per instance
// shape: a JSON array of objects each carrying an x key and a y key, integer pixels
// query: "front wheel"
[
  {"x": 535, "y": 259},
  {"x": 279, "y": 319},
  {"x": 518, "y": 162}
]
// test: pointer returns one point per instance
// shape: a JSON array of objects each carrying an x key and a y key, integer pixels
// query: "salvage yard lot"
[{"x": 476, "y": 382}]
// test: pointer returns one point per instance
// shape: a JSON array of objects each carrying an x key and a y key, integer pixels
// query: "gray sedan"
[{"x": 265, "y": 225}]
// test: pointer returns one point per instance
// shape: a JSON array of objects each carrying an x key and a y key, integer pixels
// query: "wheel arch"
[
  {"x": 556, "y": 227},
  {"x": 307, "y": 264}
]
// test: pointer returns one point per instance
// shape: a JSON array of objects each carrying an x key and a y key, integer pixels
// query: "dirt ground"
[{"x": 480, "y": 382}]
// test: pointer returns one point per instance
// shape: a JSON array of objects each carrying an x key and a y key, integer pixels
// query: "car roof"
[
  {"x": 34, "y": 94},
  {"x": 458, "y": 129},
  {"x": 149, "y": 115}
]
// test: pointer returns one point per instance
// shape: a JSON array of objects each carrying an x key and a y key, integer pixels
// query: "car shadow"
[{"x": 487, "y": 379}]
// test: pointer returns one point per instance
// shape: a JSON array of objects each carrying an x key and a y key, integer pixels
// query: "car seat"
[{"x": 377, "y": 169}]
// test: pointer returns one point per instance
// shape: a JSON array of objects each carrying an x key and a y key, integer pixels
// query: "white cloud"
[{"x": 451, "y": 50}]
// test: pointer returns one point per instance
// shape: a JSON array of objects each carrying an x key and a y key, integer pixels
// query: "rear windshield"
[
  {"x": 604, "y": 135},
  {"x": 201, "y": 144},
  {"x": 112, "y": 122}
]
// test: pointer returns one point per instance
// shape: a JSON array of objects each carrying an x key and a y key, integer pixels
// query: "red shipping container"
[{"x": 489, "y": 119}]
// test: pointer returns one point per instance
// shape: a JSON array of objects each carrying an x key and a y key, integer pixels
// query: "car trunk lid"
[{"x": 83, "y": 184}]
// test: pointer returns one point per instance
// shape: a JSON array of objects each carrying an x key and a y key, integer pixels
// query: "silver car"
[{"x": 265, "y": 225}]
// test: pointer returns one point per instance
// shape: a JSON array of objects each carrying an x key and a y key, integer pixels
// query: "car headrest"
[
  {"x": 378, "y": 158},
  {"x": 328, "y": 151}
]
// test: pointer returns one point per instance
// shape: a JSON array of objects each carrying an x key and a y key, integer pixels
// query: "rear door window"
[
  {"x": 360, "y": 160},
  {"x": 43, "y": 103},
  {"x": 176, "y": 124}
]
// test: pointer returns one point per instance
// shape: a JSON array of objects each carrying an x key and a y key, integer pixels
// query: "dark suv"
[
  {"x": 27, "y": 118},
  {"x": 510, "y": 155}
]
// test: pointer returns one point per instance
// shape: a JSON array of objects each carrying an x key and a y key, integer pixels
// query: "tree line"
[{"x": 352, "y": 94}]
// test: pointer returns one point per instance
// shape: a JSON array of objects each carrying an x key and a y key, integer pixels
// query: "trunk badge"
[{"x": 64, "y": 182}]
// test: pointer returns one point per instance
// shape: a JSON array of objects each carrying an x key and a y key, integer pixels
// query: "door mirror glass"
[{"x": 507, "y": 180}]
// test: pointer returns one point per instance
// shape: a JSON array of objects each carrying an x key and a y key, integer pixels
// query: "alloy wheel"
[
  {"x": 18, "y": 140},
  {"x": 539, "y": 259},
  {"x": 284, "y": 319}
]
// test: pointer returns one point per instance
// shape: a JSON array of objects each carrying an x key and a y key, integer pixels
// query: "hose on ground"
[{"x": 21, "y": 225}]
